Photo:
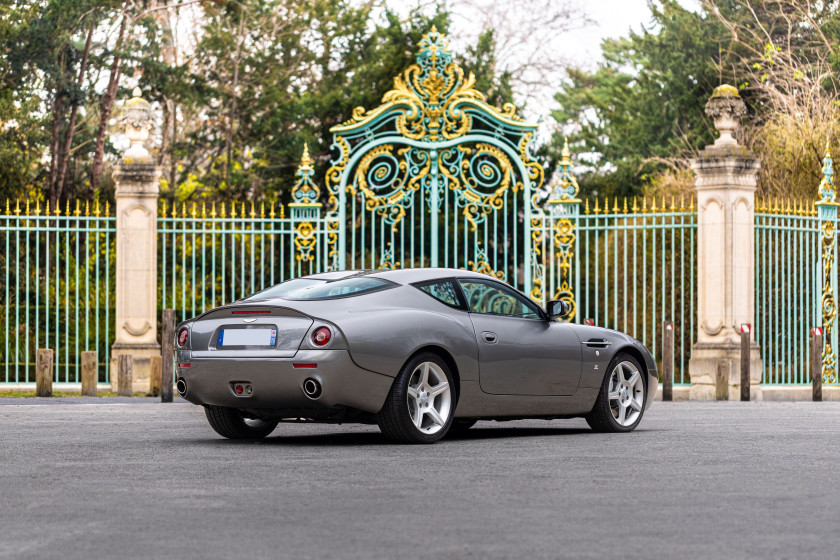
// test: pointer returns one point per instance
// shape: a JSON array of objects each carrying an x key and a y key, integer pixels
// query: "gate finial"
[
  {"x": 305, "y": 191},
  {"x": 565, "y": 187},
  {"x": 305, "y": 160},
  {"x": 827, "y": 184}
]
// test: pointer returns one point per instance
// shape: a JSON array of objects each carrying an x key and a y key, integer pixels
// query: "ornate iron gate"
[{"x": 434, "y": 177}]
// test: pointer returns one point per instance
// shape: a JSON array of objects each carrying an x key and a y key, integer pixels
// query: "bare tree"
[
  {"x": 529, "y": 37},
  {"x": 784, "y": 60}
]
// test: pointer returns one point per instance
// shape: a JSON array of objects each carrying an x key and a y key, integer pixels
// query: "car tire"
[
  {"x": 621, "y": 401},
  {"x": 229, "y": 423},
  {"x": 421, "y": 403}
]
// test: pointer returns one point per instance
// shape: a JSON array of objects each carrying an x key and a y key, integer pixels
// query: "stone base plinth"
[
  {"x": 141, "y": 364},
  {"x": 703, "y": 365}
]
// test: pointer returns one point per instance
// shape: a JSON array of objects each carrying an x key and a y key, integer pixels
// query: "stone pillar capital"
[{"x": 137, "y": 179}]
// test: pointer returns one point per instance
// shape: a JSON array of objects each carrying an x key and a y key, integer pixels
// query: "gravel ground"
[{"x": 133, "y": 478}]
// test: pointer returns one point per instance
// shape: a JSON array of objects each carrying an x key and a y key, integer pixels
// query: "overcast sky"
[{"x": 614, "y": 18}]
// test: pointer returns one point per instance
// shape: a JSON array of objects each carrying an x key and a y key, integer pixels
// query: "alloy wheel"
[
  {"x": 429, "y": 398},
  {"x": 626, "y": 393}
]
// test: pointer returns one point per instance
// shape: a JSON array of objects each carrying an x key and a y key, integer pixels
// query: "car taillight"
[
  {"x": 182, "y": 337},
  {"x": 321, "y": 336}
]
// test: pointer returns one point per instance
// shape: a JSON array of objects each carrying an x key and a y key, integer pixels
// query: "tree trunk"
[
  {"x": 55, "y": 143},
  {"x": 164, "y": 135},
  {"x": 107, "y": 105},
  {"x": 173, "y": 163},
  {"x": 170, "y": 59},
  {"x": 232, "y": 115},
  {"x": 71, "y": 126}
]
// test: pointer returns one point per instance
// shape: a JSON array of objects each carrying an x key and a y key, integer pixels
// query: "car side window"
[
  {"x": 491, "y": 298},
  {"x": 444, "y": 291}
]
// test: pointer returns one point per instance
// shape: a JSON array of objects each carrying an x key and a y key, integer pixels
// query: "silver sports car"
[{"x": 421, "y": 352}]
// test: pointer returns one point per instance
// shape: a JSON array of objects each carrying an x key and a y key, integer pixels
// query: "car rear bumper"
[{"x": 277, "y": 384}]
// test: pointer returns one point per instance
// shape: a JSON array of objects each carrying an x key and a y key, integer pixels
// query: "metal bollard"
[
  {"x": 746, "y": 328},
  {"x": 816, "y": 363},
  {"x": 667, "y": 361}
]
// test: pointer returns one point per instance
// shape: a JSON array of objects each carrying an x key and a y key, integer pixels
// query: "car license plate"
[{"x": 247, "y": 337}]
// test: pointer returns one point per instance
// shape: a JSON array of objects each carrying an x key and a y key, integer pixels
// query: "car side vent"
[{"x": 597, "y": 343}]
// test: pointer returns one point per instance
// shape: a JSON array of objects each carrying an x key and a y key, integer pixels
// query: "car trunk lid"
[{"x": 249, "y": 331}]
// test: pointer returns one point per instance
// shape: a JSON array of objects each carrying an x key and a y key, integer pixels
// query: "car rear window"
[
  {"x": 310, "y": 288},
  {"x": 445, "y": 291}
]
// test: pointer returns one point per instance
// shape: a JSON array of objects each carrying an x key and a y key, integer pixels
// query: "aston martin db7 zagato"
[{"x": 420, "y": 352}]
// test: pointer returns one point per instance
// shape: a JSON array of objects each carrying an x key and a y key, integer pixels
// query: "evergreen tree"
[{"x": 644, "y": 103}]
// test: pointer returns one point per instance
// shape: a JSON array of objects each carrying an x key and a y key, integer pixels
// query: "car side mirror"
[{"x": 557, "y": 309}]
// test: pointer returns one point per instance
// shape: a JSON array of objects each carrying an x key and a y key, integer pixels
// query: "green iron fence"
[
  {"x": 631, "y": 266},
  {"x": 638, "y": 268},
  {"x": 57, "y": 274},
  {"x": 210, "y": 255},
  {"x": 625, "y": 265},
  {"x": 787, "y": 287}
]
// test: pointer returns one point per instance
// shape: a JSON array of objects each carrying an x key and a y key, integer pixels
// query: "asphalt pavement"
[{"x": 138, "y": 479}]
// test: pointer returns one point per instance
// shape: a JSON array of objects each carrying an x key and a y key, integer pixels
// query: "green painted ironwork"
[
  {"x": 827, "y": 211},
  {"x": 787, "y": 287},
  {"x": 796, "y": 251},
  {"x": 624, "y": 266},
  {"x": 638, "y": 268},
  {"x": 57, "y": 274},
  {"x": 629, "y": 267},
  {"x": 213, "y": 255},
  {"x": 434, "y": 177}
]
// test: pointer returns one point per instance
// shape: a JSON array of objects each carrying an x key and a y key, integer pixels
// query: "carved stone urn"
[
  {"x": 726, "y": 107},
  {"x": 136, "y": 121}
]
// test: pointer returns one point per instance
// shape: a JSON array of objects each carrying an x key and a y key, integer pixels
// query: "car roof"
[{"x": 402, "y": 275}]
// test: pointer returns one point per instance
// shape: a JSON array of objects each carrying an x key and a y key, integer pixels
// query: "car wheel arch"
[
  {"x": 634, "y": 352},
  {"x": 447, "y": 358}
]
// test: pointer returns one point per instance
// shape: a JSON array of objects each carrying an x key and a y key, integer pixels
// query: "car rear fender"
[{"x": 383, "y": 339}]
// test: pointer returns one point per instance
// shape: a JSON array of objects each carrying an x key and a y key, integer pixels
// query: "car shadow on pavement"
[
  {"x": 364, "y": 438},
  {"x": 515, "y": 432}
]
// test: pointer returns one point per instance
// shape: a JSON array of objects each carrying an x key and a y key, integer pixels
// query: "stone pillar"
[
  {"x": 137, "y": 181},
  {"x": 726, "y": 181}
]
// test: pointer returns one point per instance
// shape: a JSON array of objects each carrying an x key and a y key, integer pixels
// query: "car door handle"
[
  {"x": 489, "y": 337},
  {"x": 597, "y": 343}
]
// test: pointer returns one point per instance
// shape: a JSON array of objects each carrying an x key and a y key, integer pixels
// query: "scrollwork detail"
[
  {"x": 305, "y": 241},
  {"x": 482, "y": 265},
  {"x": 433, "y": 91},
  {"x": 564, "y": 241}
]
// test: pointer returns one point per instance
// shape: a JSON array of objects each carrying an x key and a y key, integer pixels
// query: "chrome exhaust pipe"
[
  {"x": 181, "y": 386},
  {"x": 311, "y": 388}
]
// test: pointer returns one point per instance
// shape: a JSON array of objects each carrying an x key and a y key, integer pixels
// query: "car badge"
[{"x": 249, "y": 320}]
